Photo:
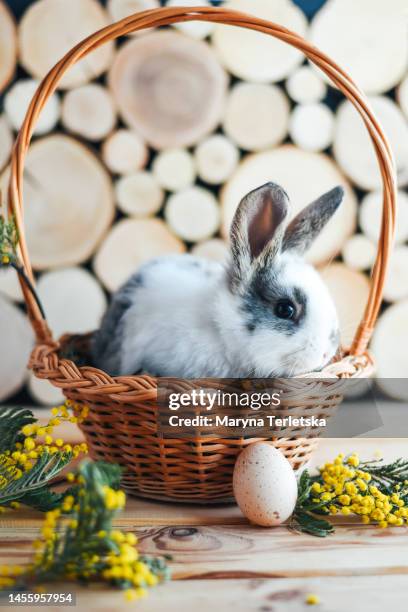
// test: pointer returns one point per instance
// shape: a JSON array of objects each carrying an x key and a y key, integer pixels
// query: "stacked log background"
[{"x": 148, "y": 145}]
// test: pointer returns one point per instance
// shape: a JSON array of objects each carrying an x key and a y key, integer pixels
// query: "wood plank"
[
  {"x": 193, "y": 535},
  {"x": 231, "y": 564},
  {"x": 247, "y": 551},
  {"x": 141, "y": 512},
  {"x": 354, "y": 594}
]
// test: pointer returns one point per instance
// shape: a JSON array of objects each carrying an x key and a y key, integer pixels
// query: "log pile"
[{"x": 148, "y": 145}]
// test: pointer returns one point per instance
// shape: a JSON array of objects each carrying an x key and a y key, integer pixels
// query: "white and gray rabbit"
[{"x": 265, "y": 313}]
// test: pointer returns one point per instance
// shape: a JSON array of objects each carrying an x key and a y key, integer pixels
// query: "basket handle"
[{"x": 165, "y": 16}]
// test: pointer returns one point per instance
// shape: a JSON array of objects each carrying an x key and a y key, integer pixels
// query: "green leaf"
[
  {"x": 308, "y": 523},
  {"x": 304, "y": 485},
  {"x": 42, "y": 499},
  {"x": 101, "y": 473},
  {"x": 158, "y": 565},
  {"x": 387, "y": 476},
  {"x": 12, "y": 420},
  {"x": 8, "y": 238},
  {"x": 46, "y": 468}
]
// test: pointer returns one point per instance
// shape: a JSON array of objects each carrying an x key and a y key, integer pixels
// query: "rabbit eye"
[{"x": 285, "y": 309}]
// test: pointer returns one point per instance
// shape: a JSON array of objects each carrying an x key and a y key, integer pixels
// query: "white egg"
[{"x": 264, "y": 483}]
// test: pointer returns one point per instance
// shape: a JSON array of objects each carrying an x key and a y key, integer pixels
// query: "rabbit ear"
[
  {"x": 308, "y": 224},
  {"x": 258, "y": 226}
]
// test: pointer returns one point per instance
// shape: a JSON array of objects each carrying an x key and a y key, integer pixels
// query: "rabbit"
[{"x": 266, "y": 313}]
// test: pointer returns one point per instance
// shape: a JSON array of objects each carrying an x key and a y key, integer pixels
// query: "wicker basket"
[{"x": 122, "y": 422}]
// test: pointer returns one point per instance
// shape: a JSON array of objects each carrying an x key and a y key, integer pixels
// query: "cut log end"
[
  {"x": 120, "y": 9},
  {"x": 8, "y": 46},
  {"x": 396, "y": 284},
  {"x": 216, "y": 159},
  {"x": 389, "y": 350},
  {"x": 214, "y": 249},
  {"x": 243, "y": 52},
  {"x": 6, "y": 143},
  {"x": 256, "y": 116},
  {"x": 305, "y": 86},
  {"x": 124, "y": 152},
  {"x": 312, "y": 126},
  {"x": 17, "y": 340},
  {"x": 193, "y": 214},
  {"x": 139, "y": 194},
  {"x": 373, "y": 52},
  {"x": 169, "y": 87},
  {"x": 129, "y": 244},
  {"x": 89, "y": 112},
  {"x": 349, "y": 290},
  {"x": 174, "y": 169},
  {"x": 43, "y": 392},
  {"x": 69, "y": 202},
  {"x": 10, "y": 286},
  {"x": 402, "y": 96},
  {"x": 195, "y": 29},
  {"x": 17, "y": 101},
  {"x": 359, "y": 252},
  {"x": 69, "y": 21},
  {"x": 353, "y": 148},
  {"x": 73, "y": 300},
  {"x": 370, "y": 215}
]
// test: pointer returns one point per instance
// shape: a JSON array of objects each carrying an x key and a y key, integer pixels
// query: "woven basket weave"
[{"x": 122, "y": 422}]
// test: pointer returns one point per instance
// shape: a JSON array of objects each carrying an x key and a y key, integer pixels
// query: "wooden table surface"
[{"x": 222, "y": 562}]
